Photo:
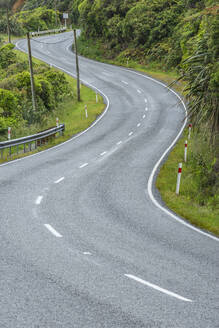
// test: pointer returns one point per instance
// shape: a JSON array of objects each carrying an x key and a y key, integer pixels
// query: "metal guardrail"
[
  {"x": 59, "y": 30},
  {"x": 39, "y": 139}
]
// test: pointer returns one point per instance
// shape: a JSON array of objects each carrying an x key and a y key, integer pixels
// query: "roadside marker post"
[
  {"x": 190, "y": 128},
  {"x": 57, "y": 121},
  {"x": 86, "y": 113},
  {"x": 185, "y": 151},
  {"x": 9, "y": 133},
  {"x": 178, "y": 178},
  {"x": 96, "y": 97}
]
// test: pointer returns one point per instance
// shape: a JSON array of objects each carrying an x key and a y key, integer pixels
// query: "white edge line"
[
  {"x": 39, "y": 200},
  {"x": 59, "y": 180},
  {"x": 83, "y": 165},
  {"x": 52, "y": 230},
  {"x": 79, "y": 134},
  {"x": 151, "y": 178},
  {"x": 160, "y": 289}
]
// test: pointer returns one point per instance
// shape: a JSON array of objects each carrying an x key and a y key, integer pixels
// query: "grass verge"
[{"x": 198, "y": 201}]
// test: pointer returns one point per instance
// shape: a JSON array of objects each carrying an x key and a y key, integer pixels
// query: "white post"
[
  {"x": 96, "y": 97},
  {"x": 86, "y": 114},
  {"x": 185, "y": 151},
  {"x": 190, "y": 128},
  {"x": 127, "y": 61},
  {"x": 9, "y": 133},
  {"x": 178, "y": 178},
  {"x": 57, "y": 122}
]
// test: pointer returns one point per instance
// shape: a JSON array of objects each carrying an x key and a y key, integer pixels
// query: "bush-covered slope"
[{"x": 15, "y": 90}]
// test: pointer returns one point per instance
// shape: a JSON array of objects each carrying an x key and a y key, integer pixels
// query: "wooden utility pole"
[
  {"x": 8, "y": 26},
  {"x": 77, "y": 67},
  {"x": 56, "y": 13},
  {"x": 31, "y": 73}
]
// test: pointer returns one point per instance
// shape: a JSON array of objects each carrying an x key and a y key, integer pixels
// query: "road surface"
[{"x": 82, "y": 243}]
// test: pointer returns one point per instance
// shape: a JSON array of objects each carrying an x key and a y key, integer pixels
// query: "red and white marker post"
[
  {"x": 86, "y": 113},
  {"x": 190, "y": 128},
  {"x": 178, "y": 178},
  {"x": 9, "y": 133},
  {"x": 185, "y": 151}
]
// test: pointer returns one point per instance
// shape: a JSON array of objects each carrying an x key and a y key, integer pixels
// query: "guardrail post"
[{"x": 1, "y": 153}]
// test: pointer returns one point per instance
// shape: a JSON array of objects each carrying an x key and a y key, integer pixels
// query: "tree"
[{"x": 7, "y": 5}]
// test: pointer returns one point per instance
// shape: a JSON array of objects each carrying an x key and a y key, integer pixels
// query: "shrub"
[
  {"x": 7, "y": 56},
  {"x": 8, "y": 103}
]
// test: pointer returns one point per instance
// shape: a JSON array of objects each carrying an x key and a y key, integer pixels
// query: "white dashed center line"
[
  {"x": 119, "y": 143},
  {"x": 53, "y": 231},
  {"x": 139, "y": 124},
  {"x": 125, "y": 82},
  {"x": 162, "y": 290},
  {"x": 146, "y": 109},
  {"x": 83, "y": 165},
  {"x": 143, "y": 116},
  {"x": 38, "y": 200},
  {"x": 139, "y": 91},
  {"x": 59, "y": 180},
  {"x": 130, "y": 133},
  {"x": 103, "y": 153},
  {"x": 145, "y": 100}
]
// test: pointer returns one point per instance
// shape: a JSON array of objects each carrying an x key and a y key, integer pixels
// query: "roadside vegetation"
[{"x": 55, "y": 96}]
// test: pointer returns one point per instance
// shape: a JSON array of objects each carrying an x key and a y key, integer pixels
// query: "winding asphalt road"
[{"x": 82, "y": 242}]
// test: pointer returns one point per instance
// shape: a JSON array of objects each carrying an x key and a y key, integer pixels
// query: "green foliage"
[
  {"x": 7, "y": 57},
  {"x": 8, "y": 103},
  {"x": 40, "y": 18}
]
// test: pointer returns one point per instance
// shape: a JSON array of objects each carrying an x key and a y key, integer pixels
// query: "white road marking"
[
  {"x": 86, "y": 253},
  {"x": 139, "y": 91},
  {"x": 83, "y": 165},
  {"x": 59, "y": 180},
  {"x": 125, "y": 82},
  {"x": 143, "y": 116},
  {"x": 130, "y": 133},
  {"x": 38, "y": 200},
  {"x": 103, "y": 153},
  {"x": 53, "y": 231},
  {"x": 145, "y": 100},
  {"x": 119, "y": 143},
  {"x": 139, "y": 124},
  {"x": 146, "y": 109},
  {"x": 162, "y": 290}
]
